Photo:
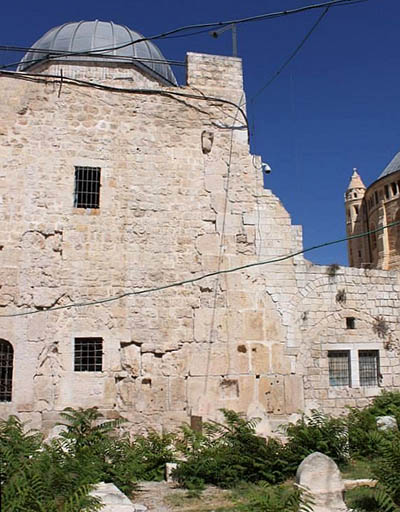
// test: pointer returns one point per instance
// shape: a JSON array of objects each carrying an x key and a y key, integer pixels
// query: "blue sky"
[{"x": 335, "y": 107}]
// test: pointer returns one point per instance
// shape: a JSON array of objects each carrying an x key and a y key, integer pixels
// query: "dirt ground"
[{"x": 167, "y": 497}]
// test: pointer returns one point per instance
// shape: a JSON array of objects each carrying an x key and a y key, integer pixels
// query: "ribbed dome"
[
  {"x": 85, "y": 36},
  {"x": 392, "y": 167}
]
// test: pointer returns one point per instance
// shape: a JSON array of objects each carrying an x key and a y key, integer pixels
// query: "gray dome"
[
  {"x": 392, "y": 167},
  {"x": 86, "y": 36}
]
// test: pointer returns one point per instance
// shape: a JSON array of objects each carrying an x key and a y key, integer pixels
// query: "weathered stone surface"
[
  {"x": 255, "y": 339},
  {"x": 320, "y": 475},
  {"x": 386, "y": 423},
  {"x": 114, "y": 500},
  {"x": 169, "y": 469},
  {"x": 360, "y": 482}
]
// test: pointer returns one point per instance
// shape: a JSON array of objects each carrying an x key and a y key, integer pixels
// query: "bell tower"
[{"x": 357, "y": 248}]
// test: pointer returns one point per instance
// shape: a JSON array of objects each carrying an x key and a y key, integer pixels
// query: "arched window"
[
  {"x": 373, "y": 236},
  {"x": 6, "y": 370}
]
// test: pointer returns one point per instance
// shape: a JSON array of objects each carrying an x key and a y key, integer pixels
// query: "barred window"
[
  {"x": 368, "y": 362},
  {"x": 87, "y": 187},
  {"x": 339, "y": 368},
  {"x": 88, "y": 355},
  {"x": 6, "y": 370}
]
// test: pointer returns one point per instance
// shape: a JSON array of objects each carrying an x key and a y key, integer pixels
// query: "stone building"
[
  {"x": 368, "y": 209},
  {"x": 116, "y": 183}
]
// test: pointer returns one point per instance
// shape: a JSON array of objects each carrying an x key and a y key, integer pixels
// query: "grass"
[
  {"x": 211, "y": 499},
  {"x": 355, "y": 469}
]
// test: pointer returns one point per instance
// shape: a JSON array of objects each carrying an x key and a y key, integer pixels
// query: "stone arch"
[{"x": 6, "y": 370}]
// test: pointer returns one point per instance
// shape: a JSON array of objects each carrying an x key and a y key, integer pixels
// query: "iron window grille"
[
  {"x": 87, "y": 187},
  {"x": 339, "y": 368},
  {"x": 6, "y": 370},
  {"x": 88, "y": 355},
  {"x": 368, "y": 363}
]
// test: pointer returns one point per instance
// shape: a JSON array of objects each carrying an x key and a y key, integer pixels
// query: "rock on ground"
[{"x": 321, "y": 476}]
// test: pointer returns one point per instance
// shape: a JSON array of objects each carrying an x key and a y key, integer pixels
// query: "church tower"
[{"x": 357, "y": 248}]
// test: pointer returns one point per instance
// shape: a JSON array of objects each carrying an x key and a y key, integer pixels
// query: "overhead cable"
[
  {"x": 217, "y": 24},
  {"x": 198, "y": 278},
  {"x": 44, "y": 78},
  {"x": 291, "y": 56}
]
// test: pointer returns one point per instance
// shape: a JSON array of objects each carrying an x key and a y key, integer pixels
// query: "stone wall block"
[
  {"x": 260, "y": 358},
  {"x": 271, "y": 394},
  {"x": 294, "y": 395},
  {"x": 253, "y": 325}
]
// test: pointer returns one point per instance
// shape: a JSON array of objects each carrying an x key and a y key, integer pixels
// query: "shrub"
[
  {"x": 57, "y": 476},
  {"x": 316, "y": 433},
  {"x": 364, "y": 438},
  {"x": 35, "y": 478},
  {"x": 387, "y": 469},
  {"x": 229, "y": 453},
  {"x": 281, "y": 498}
]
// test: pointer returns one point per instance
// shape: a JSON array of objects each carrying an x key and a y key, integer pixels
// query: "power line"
[
  {"x": 42, "y": 78},
  {"x": 54, "y": 54},
  {"x": 198, "y": 278},
  {"x": 217, "y": 24},
  {"x": 259, "y": 17},
  {"x": 291, "y": 56}
]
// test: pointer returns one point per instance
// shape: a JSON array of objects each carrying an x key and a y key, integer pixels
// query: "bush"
[
  {"x": 281, "y": 498},
  {"x": 36, "y": 477},
  {"x": 58, "y": 476},
  {"x": 316, "y": 433},
  {"x": 387, "y": 403},
  {"x": 387, "y": 469},
  {"x": 364, "y": 438},
  {"x": 229, "y": 453}
]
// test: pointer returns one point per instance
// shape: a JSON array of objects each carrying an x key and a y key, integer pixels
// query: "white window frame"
[{"x": 354, "y": 348}]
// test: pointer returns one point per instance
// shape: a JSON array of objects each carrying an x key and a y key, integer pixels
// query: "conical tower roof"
[{"x": 356, "y": 181}]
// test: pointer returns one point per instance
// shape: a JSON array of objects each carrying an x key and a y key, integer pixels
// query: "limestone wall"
[
  {"x": 324, "y": 302},
  {"x": 181, "y": 197}
]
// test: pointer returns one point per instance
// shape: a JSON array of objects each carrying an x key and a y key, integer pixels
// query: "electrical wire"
[
  {"x": 199, "y": 278},
  {"x": 291, "y": 56},
  {"x": 54, "y": 54},
  {"x": 42, "y": 78},
  {"x": 218, "y": 24}
]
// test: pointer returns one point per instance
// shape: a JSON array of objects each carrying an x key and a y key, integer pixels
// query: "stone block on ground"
[
  {"x": 115, "y": 500},
  {"x": 169, "y": 470},
  {"x": 320, "y": 475},
  {"x": 386, "y": 423}
]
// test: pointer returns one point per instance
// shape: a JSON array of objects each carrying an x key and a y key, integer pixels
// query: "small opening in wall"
[
  {"x": 88, "y": 355},
  {"x": 350, "y": 322},
  {"x": 368, "y": 361},
  {"x": 394, "y": 188},
  {"x": 387, "y": 191},
  {"x": 87, "y": 187},
  {"x": 339, "y": 368}
]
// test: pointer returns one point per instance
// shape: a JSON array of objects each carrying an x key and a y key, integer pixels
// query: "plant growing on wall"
[
  {"x": 332, "y": 269},
  {"x": 380, "y": 326},
  {"x": 341, "y": 296}
]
